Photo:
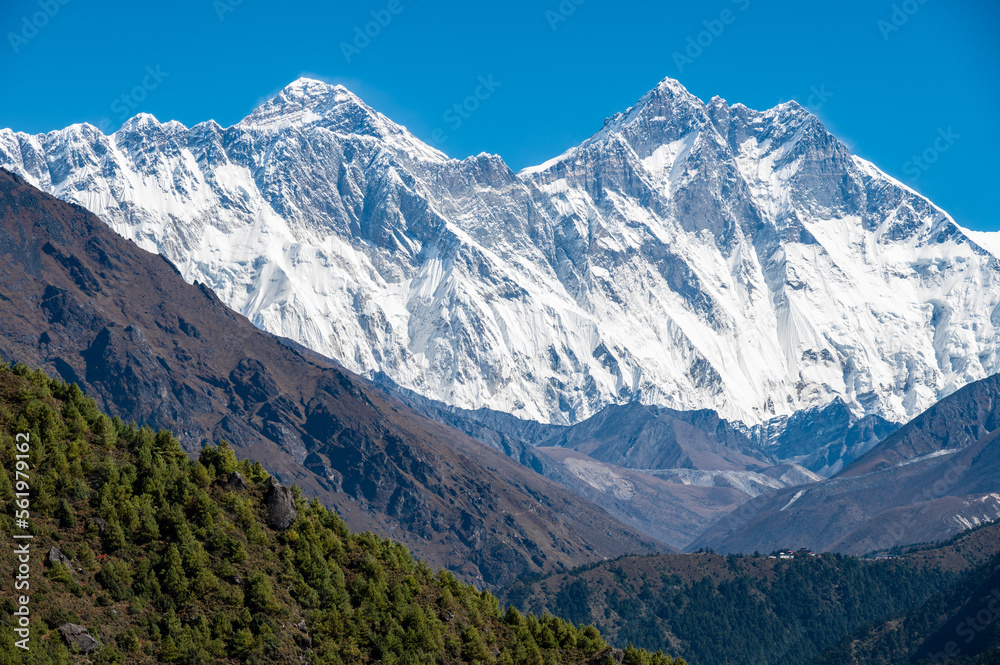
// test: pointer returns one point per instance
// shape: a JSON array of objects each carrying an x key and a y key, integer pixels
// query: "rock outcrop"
[
  {"x": 280, "y": 503},
  {"x": 79, "y": 638}
]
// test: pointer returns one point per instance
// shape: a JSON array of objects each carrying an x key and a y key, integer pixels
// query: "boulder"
[
  {"x": 612, "y": 655},
  {"x": 78, "y": 637},
  {"x": 56, "y": 556},
  {"x": 237, "y": 481},
  {"x": 281, "y": 512}
]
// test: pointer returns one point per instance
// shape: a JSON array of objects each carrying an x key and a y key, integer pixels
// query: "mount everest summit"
[{"x": 693, "y": 255}]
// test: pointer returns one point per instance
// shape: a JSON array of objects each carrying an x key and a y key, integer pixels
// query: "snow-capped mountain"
[{"x": 689, "y": 254}]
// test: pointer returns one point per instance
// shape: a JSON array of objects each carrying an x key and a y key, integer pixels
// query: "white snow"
[
  {"x": 921, "y": 458},
  {"x": 756, "y": 272},
  {"x": 795, "y": 497},
  {"x": 988, "y": 241}
]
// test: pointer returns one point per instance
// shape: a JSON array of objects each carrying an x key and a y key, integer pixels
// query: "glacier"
[{"x": 689, "y": 254}]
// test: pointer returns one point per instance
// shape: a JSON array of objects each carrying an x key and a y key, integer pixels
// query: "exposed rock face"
[
  {"x": 824, "y": 439},
  {"x": 281, "y": 512},
  {"x": 91, "y": 307},
  {"x": 78, "y": 637},
  {"x": 237, "y": 482},
  {"x": 55, "y": 556}
]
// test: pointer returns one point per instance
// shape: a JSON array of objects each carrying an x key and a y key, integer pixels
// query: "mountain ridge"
[
  {"x": 669, "y": 474},
  {"x": 688, "y": 254},
  {"x": 931, "y": 478}
]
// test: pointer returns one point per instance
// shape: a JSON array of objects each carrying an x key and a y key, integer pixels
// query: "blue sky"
[{"x": 892, "y": 79}]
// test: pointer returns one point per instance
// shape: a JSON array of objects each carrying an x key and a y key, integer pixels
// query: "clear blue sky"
[{"x": 888, "y": 92}]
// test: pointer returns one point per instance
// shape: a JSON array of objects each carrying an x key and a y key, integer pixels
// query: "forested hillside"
[
  {"x": 142, "y": 555},
  {"x": 715, "y": 610},
  {"x": 958, "y": 626}
]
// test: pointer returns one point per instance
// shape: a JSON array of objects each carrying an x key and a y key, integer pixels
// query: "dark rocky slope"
[
  {"x": 937, "y": 475},
  {"x": 83, "y": 303}
]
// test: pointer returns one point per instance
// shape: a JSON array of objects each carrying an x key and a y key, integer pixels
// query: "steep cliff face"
[{"x": 695, "y": 255}]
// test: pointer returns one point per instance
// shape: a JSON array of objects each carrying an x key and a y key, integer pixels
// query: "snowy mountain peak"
[
  {"x": 311, "y": 87},
  {"x": 668, "y": 101},
  {"x": 77, "y": 130},
  {"x": 670, "y": 86},
  {"x": 698, "y": 256},
  {"x": 141, "y": 120},
  {"x": 315, "y": 95},
  {"x": 718, "y": 107},
  {"x": 146, "y": 123},
  {"x": 307, "y": 102},
  {"x": 791, "y": 106},
  {"x": 791, "y": 113}
]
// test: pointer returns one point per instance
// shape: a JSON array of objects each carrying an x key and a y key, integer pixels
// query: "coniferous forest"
[{"x": 719, "y": 610}]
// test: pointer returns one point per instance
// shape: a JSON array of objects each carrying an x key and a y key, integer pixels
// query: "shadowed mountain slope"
[
  {"x": 81, "y": 301},
  {"x": 935, "y": 476},
  {"x": 671, "y": 474}
]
